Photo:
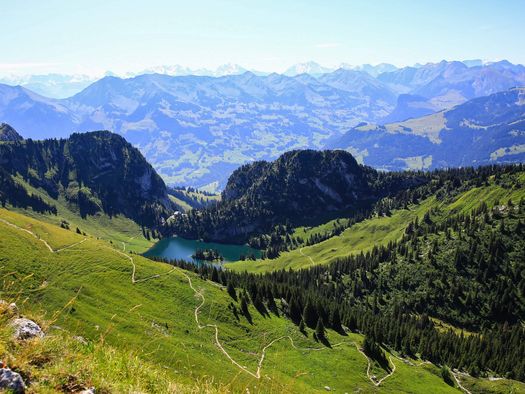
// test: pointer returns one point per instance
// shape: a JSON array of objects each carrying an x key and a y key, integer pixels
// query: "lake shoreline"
[{"x": 180, "y": 248}]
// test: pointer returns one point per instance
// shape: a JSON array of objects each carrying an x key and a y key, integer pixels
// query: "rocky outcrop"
[
  {"x": 26, "y": 329},
  {"x": 11, "y": 381}
]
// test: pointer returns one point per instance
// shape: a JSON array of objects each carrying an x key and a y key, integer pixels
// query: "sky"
[{"x": 127, "y": 36}]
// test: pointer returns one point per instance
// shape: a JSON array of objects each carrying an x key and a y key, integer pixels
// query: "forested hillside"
[
  {"x": 300, "y": 187},
  {"x": 97, "y": 172}
]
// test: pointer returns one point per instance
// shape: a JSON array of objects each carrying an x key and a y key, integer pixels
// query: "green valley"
[{"x": 85, "y": 286}]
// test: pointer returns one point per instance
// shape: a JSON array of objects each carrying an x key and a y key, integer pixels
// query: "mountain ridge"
[
  {"x": 7, "y": 133},
  {"x": 196, "y": 130},
  {"x": 484, "y": 130},
  {"x": 301, "y": 187}
]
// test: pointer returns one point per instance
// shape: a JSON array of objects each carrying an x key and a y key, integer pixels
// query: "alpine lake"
[{"x": 183, "y": 249}]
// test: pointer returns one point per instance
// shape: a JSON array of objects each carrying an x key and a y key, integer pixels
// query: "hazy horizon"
[{"x": 94, "y": 37}]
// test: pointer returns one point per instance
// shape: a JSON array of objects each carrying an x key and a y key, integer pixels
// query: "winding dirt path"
[
  {"x": 305, "y": 255},
  {"x": 133, "y": 279},
  {"x": 257, "y": 373},
  {"x": 41, "y": 239},
  {"x": 29, "y": 232},
  {"x": 375, "y": 382},
  {"x": 71, "y": 246},
  {"x": 459, "y": 383}
]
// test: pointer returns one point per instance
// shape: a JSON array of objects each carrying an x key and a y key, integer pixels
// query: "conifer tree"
[
  {"x": 319, "y": 329},
  {"x": 231, "y": 291},
  {"x": 310, "y": 314}
]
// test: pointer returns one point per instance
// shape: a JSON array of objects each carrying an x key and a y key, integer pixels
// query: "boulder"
[
  {"x": 90, "y": 390},
  {"x": 26, "y": 329},
  {"x": 12, "y": 381}
]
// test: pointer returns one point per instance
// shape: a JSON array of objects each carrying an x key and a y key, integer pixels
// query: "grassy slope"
[
  {"x": 117, "y": 229},
  {"x": 359, "y": 237},
  {"x": 64, "y": 363},
  {"x": 196, "y": 196},
  {"x": 182, "y": 204},
  {"x": 108, "y": 309},
  {"x": 365, "y": 235}
]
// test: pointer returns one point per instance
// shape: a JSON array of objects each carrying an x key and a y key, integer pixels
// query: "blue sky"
[{"x": 98, "y": 35}]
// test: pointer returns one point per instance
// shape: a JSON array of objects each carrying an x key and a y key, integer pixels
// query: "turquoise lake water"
[{"x": 183, "y": 249}]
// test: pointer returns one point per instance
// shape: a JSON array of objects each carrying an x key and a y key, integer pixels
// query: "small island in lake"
[{"x": 207, "y": 255}]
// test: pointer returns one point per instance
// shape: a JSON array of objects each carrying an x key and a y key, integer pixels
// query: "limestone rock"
[
  {"x": 26, "y": 329},
  {"x": 11, "y": 381}
]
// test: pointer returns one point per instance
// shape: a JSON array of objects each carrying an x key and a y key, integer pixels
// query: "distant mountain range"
[
  {"x": 66, "y": 85},
  {"x": 485, "y": 130},
  {"x": 196, "y": 130},
  {"x": 51, "y": 85},
  {"x": 434, "y": 87}
]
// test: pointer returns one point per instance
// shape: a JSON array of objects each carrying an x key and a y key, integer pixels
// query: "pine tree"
[
  {"x": 447, "y": 376},
  {"x": 271, "y": 302},
  {"x": 215, "y": 275},
  {"x": 335, "y": 320},
  {"x": 231, "y": 291},
  {"x": 302, "y": 326},
  {"x": 310, "y": 314},
  {"x": 319, "y": 329},
  {"x": 244, "y": 306},
  {"x": 295, "y": 310}
]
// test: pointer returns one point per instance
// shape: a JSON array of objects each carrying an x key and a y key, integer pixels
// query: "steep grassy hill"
[
  {"x": 187, "y": 198},
  {"x": 133, "y": 311}
]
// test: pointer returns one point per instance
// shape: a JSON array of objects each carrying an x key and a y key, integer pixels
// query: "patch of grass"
[
  {"x": 60, "y": 362},
  {"x": 182, "y": 204},
  {"x": 485, "y": 385},
  {"x": 358, "y": 238},
  {"x": 117, "y": 229}
]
